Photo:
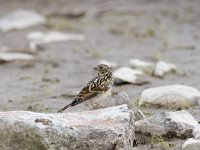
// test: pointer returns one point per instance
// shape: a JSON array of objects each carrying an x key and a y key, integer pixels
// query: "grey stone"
[
  {"x": 110, "y": 128},
  {"x": 20, "y": 19},
  {"x": 170, "y": 124},
  {"x": 120, "y": 98}
]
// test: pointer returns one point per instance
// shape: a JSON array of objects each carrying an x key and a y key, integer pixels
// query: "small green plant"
[
  {"x": 158, "y": 139},
  {"x": 186, "y": 105},
  {"x": 138, "y": 102}
]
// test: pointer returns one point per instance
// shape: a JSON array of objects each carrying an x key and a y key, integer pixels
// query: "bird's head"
[{"x": 103, "y": 69}]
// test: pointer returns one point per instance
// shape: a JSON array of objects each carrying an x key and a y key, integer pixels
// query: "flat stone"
[
  {"x": 14, "y": 56},
  {"x": 20, "y": 19},
  {"x": 110, "y": 128},
  {"x": 119, "y": 99},
  {"x": 38, "y": 38}
]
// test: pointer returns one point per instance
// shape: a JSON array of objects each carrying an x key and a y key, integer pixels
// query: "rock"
[
  {"x": 147, "y": 67},
  {"x": 120, "y": 99},
  {"x": 37, "y": 38},
  {"x": 20, "y": 19},
  {"x": 191, "y": 144},
  {"x": 12, "y": 56},
  {"x": 170, "y": 124},
  {"x": 114, "y": 99},
  {"x": 111, "y": 64},
  {"x": 111, "y": 128},
  {"x": 15, "y": 49},
  {"x": 159, "y": 69},
  {"x": 196, "y": 132},
  {"x": 162, "y": 67},
  {"x": 139, "y": 115},
  {"x": 123, "y": 98},
  {"x": 129, "y": 75},
  {"x": 171, "y": 96}
]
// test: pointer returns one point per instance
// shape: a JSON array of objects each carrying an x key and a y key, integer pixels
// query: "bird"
[{"x": 97, "y": 88}]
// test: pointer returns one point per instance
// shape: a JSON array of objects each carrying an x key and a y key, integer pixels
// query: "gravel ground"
[{"x": 115, "y": 30}]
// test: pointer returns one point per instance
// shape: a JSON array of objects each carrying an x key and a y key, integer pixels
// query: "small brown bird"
[{"x": 97, "y": 88}]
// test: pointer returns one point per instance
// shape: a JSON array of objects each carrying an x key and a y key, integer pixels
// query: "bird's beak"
[{"x": 95, "y": 68}]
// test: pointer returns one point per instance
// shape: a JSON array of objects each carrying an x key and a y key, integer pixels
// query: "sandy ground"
[{"x": 116, "y": 30}]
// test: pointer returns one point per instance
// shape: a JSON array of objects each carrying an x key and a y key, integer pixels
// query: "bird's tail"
[
  {"x": 73, "y": 103},
  {"x": 61, "y": 110}
]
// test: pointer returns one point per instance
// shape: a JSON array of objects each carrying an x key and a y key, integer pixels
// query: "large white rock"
[
  {"x": 162, "y": 67},
  {"x": 129, "y": 75},
  {"x": 12, "y": 56},
  {"x": 170, "y": 124},
  {"x": 20, "y": 19},
  {"x": 171, "y": 96},
  {"x": 37, "y": 38},
  {"x": 191, "y": 144},
  {"x": 111, "y": 128},
  {"x": 144, "y": 66}
]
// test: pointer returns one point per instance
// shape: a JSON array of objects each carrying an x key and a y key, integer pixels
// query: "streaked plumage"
[{"x": 96, "y": 88}]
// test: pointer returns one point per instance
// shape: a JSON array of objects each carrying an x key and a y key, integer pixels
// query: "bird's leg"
[
  {"x": 96, "y": 105},
  {"x": 100, "y": 106}
]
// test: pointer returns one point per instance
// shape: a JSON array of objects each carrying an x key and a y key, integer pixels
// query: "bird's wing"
[{"x": 85, "y": 93}]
